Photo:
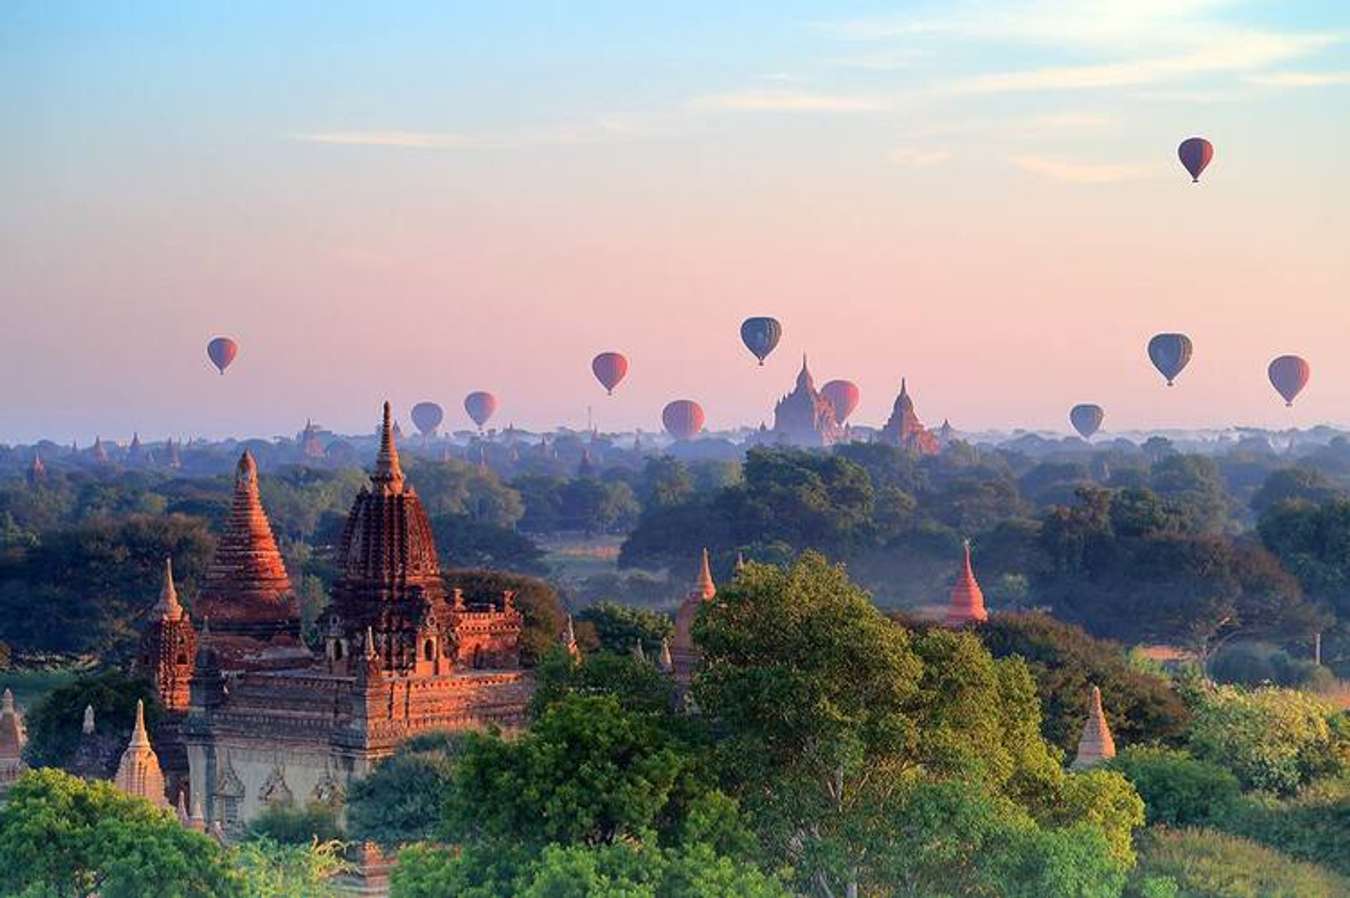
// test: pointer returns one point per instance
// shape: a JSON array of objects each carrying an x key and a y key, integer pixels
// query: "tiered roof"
[
  {"x": 904, "y": 429},
  {"x": 804, "y": 416},
  {"x": 967, "y": 599},
  {"x": 247, "y": 590}
]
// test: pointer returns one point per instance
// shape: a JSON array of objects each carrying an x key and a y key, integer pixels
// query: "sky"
[{"x": 416, "y": 200}]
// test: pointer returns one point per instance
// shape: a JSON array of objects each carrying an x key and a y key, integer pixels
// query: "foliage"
[
  {"x": 536, "y": 600},
  {"x": 1177, "y": 789},
  {"x": 463, "y": 542},
  {"x": 268, "y": 869},
  {"x": 454, "y": 487},
  {"x": 1271, "y": 739},
  {"x": 619, "y": 627},
  {"x": 1066, "y": 662},
  {"x": 637, "y": 685},
  {"x": 61, "y": 836},
  {"x": 54, "y": 723},
  {"x": 404, "y": 797},
  {"x": 1313, "y": 541},
  {"x": 1313, "y": 825},
  {"x": 1205, "y": 864},
  {"x": 1254, "y": 664},
  {"x": 288, "y": 824}
]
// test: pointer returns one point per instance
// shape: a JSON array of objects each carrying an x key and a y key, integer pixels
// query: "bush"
[
  {"x": 403, "y": 798},
  {"x": 1177, "y": 789},
  {"x": 1312, "y": 826},
  {"x": 1255, "y": 663},
  {"x": 54, "y": 722},
  {"x": 1205, "y": 864},
  {"x": 1272, "y": 739},
  {"x": 288, "y": 824}
]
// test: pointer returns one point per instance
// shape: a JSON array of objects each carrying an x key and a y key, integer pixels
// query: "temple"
[
  {"x": 904, "y": 429},
  {"x": 804, "y": 417},
  {"x": 138, "y": 772},
  {"x": 400, "y": 656},
  {"x": 168, "y": 647},
  {"x": 12, "y": 740},
  {"x": 683, "y": 653},
  {"x": 966, "y": 605},
  {"x": 1096, "y": 744}
]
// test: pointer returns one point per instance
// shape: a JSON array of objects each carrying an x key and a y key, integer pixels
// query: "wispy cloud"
[
  {"x": 1079, "y": 172},
  {"x": 913, "y": 158},
  {"x": 787, "y": 101},
  {"x": 883, "y": 60},
  {"x": 558, "y": 135},
  {"x": 1299, "y": 79}
]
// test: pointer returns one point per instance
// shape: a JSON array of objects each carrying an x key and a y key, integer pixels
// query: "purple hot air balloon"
[
  {"x": 221, "y": 351},
  {"x": 1170, "y": 353},
  {"x": 609, "y": 368},
  {"x": 427, "y": 416},
  {"x": 1086, "y": 418},
  {"x": 843, "y": 396},
  {"x": 683, "y": 418},
  {"x": 480, "y": 405},
  {"x": 1289, "y": 375},
  {"x": 1195, "y": 153}
]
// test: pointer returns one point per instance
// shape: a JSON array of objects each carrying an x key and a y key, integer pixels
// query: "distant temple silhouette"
[{"x": 804, "y": 417}]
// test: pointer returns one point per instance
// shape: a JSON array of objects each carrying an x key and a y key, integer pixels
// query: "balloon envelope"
[
  {"x": 609, "y": 369},
  {"x": 221, "y": 351},
  {"x": 1195, "y": 153},
  {"x": 427, "y": 416},
  {"x": 480, "y": 405},
  {"x": 760, "y": 336},
  {"x": 1169, "y": 354},
  {"x": 682, "y": 418},
  {"x": 843, "y": 396},
  {"x": 1289, "y": 375},
  {"x": 1086, "y": 418}
]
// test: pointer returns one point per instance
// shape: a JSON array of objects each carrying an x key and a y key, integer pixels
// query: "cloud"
[
  {"x": 1079, "y": 172},
  {"x": 558, "y": 135},
  {"x": 787, "y": 101},
  {"x": 1299, "y": 79},
  {"x": 883, "y": 60},
  {"x": 919, "y": 158}
]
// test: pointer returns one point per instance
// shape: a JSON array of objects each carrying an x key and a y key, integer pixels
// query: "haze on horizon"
[{"x": 417, "y": 200}]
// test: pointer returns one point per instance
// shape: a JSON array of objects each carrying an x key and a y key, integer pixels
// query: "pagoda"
[
  {"x": 12, "y": 740},
  {"x": 967, "y": 599},
  {"x": 804, "y": 417},
  {"x": 684, "y": 654},
  {"x": 37, "y": 472},
  {"x": 246, "y": 593},
  {"x": 1096, "y": 744},
  {"x": 904, "y": 429},
  {"x": 138, "y": 772},
  {"x": 135, "y": 454},
  {"x": 168, "y": 647},
  {"x": 310, "y": 447}
]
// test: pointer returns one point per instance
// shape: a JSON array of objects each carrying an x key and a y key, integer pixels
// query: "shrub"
[
  {"x": 1177, "y": 789},
  {"x": 288, "y": 824},
  {"x": 1312, "y": 826},
  {"x": 1272, "y": 739},
  {"x": 1206, "y": 864}
]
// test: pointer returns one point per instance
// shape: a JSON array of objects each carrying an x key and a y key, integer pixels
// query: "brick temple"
[{"x": 256, "y": 718}]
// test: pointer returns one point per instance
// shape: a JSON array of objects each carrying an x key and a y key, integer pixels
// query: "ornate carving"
[{"x": 274, "y": 789}]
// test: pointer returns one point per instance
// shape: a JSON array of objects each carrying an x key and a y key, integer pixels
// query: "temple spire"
[
  {"x": 388, "y": 473},
  {"x": 569, "y": 639},
  {"x": 139, "y": 773},
  {"x": 87, "y": 728},
  {"x": 1096, "y": 744},
  {"x": 138, "y": 734},
  {"x": 704, "y": 587},
  {"x": 664, "y": 661},
  {"x": 7, "y": 702},
  {"x": 168, "y": 607},
  {"x": 967, "y": 599}
]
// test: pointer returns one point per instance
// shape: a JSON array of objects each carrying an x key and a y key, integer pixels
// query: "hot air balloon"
[
  {"x": 609, "y": 368},
  {"x": 427, "y": 416},
  {"x": 480, "y": 405},
  {"x": 1289, "y": 375},
  {"x": 760, "y": 336},
  {"x": 1195, "y": 153},
  {"x": 221, "y": 351},
  {"x": 1086, "y": 418},
  {"x": 843, "y": 395},
  {"x": 1169, "y": 354},
  {"x": 683, "y": 418}
]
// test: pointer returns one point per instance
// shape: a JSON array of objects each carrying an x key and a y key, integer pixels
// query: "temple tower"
[
  {"x": 1096, "y": 744},
  {"x": 168, "y": 647},
  {"x": 904, "y": 429},
  {"x": 804, "y": 417},
  {"x": 138, "y": 772},
  {"x": 683, "y": 653},
  {"x": 247, "y": 592},
  {"x": 37, "y": 473},
  {"x": 967, "y": 599},
  {"x": 13, "y": 737}
]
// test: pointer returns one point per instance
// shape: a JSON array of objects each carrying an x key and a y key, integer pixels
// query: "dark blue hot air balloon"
[
  {"x": 1169, "y": 354},
  {"x": 761, "y": 335},
  {"x": 1086, "y": 418}
]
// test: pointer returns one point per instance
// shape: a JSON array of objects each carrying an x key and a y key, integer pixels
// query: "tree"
[
  {"x": 1313, "y": 541},
  {"x": 619, "y": 627},
  {"x": 62, "y": 837},
  {"x": 1177, "y": 789},
  {"x": 463, "y": 542},
  {"x": 1293, "y": 484},
  {"x": 638, "y": 685},
  {"x": 404, "y": 797},
  {"x": 1200, "y": 863},
  {"x": 459, "y": 488},
  {"x": 267, "y": 869},
  {"x": 54, "y": 722}
]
